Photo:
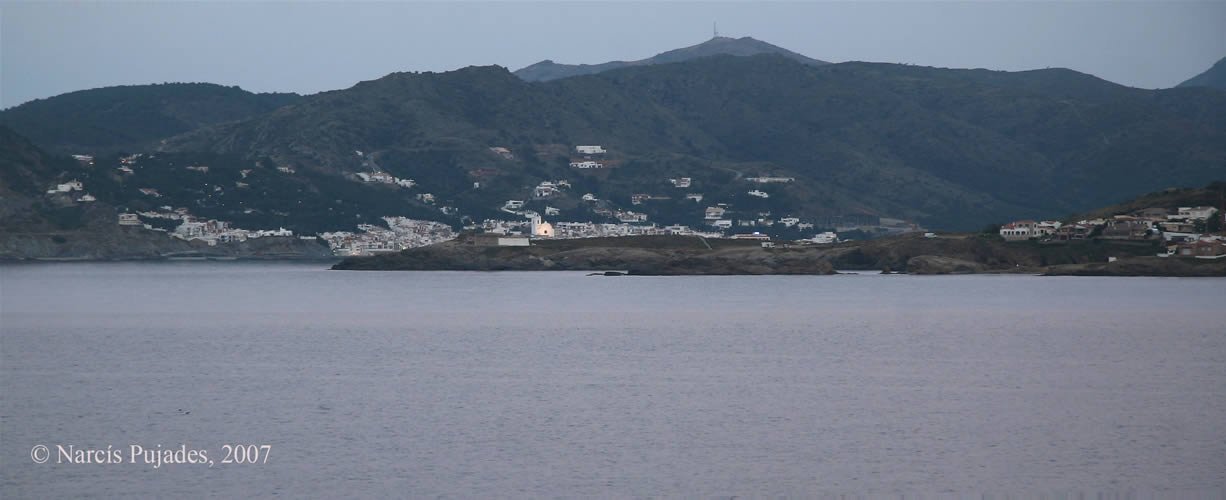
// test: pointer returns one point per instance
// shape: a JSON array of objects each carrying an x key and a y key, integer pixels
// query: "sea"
[{"x": 290, "y": 380}]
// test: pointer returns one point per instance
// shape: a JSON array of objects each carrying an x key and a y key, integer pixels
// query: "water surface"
[{"x": 528, "y": 384}]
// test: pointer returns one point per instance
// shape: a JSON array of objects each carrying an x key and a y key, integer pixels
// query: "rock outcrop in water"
[
  {"x": 648, "y": 255},
  {"x": 687, "y": 255}
]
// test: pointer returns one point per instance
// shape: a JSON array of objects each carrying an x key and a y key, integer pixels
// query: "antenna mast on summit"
[{"x": 714, "y": 29}]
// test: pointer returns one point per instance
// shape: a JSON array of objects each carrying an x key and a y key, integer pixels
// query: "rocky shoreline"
[
  {"x": 652, "y": 255},
  {"x": 647, "y": 255},
  {"x": 135, "y": 244},
  {"x": 1145, "y": 266},
  {"x": 678, "y": 255}
]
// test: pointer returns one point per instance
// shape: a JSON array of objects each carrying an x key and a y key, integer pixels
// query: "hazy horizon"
[{"x": 50, "y": 49}]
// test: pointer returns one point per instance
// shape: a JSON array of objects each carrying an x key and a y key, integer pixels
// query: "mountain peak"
[{"x": 718, "y": 45}]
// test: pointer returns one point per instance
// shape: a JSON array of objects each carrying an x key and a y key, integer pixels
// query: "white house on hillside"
[{"x": 1188, "y": 213}]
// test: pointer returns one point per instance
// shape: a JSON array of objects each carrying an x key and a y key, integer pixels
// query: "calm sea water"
[{"x": 400, "y": 384}]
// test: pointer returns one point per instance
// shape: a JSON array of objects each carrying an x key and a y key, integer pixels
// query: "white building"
[
  {"x": 282, "y": 232},
  {"x": 129, "y": 219},
  {"x": 190, "y": 229},
  {"x": 538, "y": 228},
  {"x": 681, "y": 182},
  {"x": 696, "y": 197},
  {"x": 73, "y": 185},
  {"x": 628, "y": 216},
  {"x": 545, "y": 190},
  {"x": 586, "y": 164},
  {"x": 1187, "y": 213},
  {"x": 759, "y": 194},
  {"x": 714, "y": 213},
  {"x": 1046, "y": 228},
  {"x": 590, "y": 150},
  {"x": 513, "y": 204},
  {"x": 1018, "y": 230},
  {"x": 771, "y": 180},
  {"x": 825, "y": 238},
  {"x": 1026, "y": 229},
  {"x": 543, "y": 230}
]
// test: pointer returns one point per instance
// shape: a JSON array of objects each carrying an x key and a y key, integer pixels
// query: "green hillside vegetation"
[
  {"x": 951, "y": 149},
  {"x": 307, "y": 202},
  {"x": 24, "y": 176},
  {"x": 133, "y": 117},
  {"x": 1212, "y": 195}
]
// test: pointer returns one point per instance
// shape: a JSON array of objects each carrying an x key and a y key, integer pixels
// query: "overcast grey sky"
[{"x": 48, "y": 48}]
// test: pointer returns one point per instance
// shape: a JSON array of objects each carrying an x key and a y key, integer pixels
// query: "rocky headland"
[
  {"x": 688, "y": 255},
  {"x": 647, "y": 255}
]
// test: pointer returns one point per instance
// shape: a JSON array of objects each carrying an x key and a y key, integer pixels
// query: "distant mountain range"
[
  {"x": 946, "y": 148},
  {"x": 548, "y": 70},
  {"x": 1214, "y": 77}
]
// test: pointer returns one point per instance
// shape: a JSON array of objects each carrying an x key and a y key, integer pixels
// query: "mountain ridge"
[
  {"x": 745, "y": 46},
  {"x": 132, "y": 117},
  {"x": 949, "y": 148},
  {"x": 1214, "y": 77}
]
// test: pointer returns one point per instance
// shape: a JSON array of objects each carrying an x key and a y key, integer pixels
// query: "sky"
[{"x": 52, "y": 47}]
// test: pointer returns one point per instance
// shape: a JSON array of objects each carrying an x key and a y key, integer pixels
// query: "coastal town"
[
  {"x": 1181, "y": 231},
  {"x": 397, "y": 233},
  {"x": 401, "y": 233}
]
